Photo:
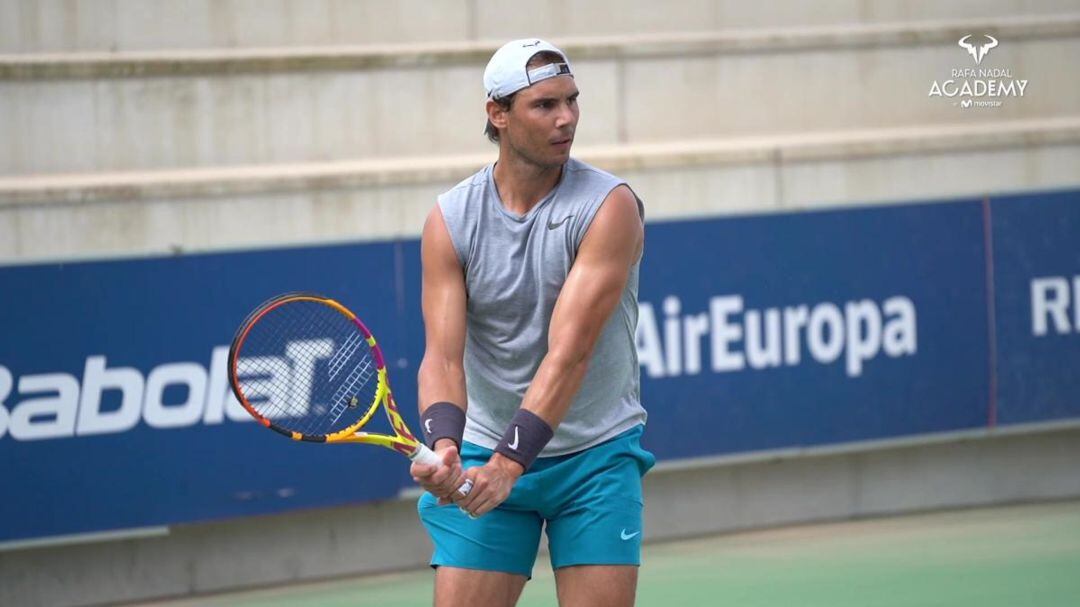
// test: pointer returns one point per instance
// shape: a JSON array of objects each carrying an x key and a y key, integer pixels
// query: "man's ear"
[{"x": 497, "y": 116}]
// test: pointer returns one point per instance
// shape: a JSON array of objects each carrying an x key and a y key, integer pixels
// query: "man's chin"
[{"x": 556, "y": 161}]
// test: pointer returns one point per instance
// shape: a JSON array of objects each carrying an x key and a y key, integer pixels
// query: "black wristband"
[
  {"x": 525, "y": 437},
  {"x": 443, "y": 420}
]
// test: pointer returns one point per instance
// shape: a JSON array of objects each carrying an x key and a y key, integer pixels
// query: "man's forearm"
[
  {"x": 442, "y": 402},
  {"x": 553, "y": 387},
  {"x": 440, "y": 382},
  {"x": 545, "y": 405}
]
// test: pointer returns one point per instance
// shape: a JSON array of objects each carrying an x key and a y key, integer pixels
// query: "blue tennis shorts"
[{"x": 590, "y": 501}]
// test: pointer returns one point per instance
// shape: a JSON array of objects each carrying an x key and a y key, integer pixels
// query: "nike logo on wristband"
[
  {"x": 514, "y": 443},
  {"x": 427, "y": 425}
]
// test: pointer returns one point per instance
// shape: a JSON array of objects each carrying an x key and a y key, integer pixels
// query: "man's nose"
[{"x": 565, "y": 117}]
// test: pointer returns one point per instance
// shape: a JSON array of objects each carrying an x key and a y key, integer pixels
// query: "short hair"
[{"x": 538, "y": 60}]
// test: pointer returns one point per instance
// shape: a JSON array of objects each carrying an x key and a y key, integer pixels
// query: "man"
[{"x": 530, "y": 272}]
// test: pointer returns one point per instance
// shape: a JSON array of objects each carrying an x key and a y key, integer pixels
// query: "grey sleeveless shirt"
[{"x": 514, "y": 268}]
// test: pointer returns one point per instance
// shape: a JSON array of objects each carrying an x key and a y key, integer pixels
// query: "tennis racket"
[{"x": 304, "y": 366}]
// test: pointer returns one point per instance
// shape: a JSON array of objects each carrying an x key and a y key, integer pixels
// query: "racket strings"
[
  {"x": 343, "y": 354},
  {"x": 342, "y": 399},
  {"x": 307, "y": 368}
]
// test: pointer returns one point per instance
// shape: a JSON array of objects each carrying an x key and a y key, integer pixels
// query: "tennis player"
[{"x": 530, "y": 277}]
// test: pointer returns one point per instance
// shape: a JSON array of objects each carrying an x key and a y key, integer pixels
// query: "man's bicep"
[{"x": 443, "y": 290}]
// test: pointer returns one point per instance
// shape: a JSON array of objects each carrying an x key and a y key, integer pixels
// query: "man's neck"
[{"x": 521, "y": 184}]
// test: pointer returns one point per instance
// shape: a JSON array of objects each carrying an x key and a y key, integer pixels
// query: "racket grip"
[{"x": 426, "y": 456}]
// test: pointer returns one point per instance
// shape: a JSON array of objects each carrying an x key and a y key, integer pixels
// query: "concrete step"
[
  {"x": 78, "y": 113},
  {"x": 45, "y": 26},
  {"x": 49, "y": 217}
]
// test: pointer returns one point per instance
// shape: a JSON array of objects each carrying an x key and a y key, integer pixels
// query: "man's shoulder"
[
  {"x": 585, "y": 177},
  {"x": 584, "y": 170},
  {"x": 477, "y": 179},
  {"x": 591, "y": 178}
]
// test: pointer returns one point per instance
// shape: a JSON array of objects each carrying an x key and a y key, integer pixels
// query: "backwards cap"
[{"x": 506, "y": 72}]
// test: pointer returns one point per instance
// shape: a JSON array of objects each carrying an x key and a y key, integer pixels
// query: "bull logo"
[{"x": 977, "y": 52}]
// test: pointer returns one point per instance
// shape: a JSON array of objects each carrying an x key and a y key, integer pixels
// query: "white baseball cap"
[{"x": 506, "y": 73}]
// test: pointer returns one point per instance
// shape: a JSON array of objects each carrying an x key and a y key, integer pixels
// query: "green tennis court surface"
[{"x": 1009, "y": 556}]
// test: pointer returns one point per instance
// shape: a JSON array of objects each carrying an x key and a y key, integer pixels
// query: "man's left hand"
[{"x": 492, "y": 483}]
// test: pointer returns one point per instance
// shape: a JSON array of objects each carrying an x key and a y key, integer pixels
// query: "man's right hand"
[{"x": 441, "y": 481}]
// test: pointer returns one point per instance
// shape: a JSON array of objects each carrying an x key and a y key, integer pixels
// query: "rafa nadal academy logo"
[{"x": 978, "y": 87}]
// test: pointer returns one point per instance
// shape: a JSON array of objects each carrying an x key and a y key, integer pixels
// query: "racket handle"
[{"x": 426, "y": 456}]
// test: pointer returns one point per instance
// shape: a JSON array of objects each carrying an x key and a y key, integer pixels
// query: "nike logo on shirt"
[
  {"x": 552, "y": 226},
  {"x": 626, "y": 536}
]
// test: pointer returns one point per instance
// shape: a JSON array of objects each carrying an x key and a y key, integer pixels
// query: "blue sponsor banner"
[
  {"x": 1037, "y": 272},
  {"x": 813, "y": 328},
  {"x": 755, "y": 333}
]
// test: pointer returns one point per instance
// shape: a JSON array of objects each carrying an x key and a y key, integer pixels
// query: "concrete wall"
[
  {"x": 39, "y": 26},
  {"x": 961, "y": 469},
  {"x": 93, "y": 216},
  {"x": 687, "y": 499},
  {"x": 185, "y": 111}
]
